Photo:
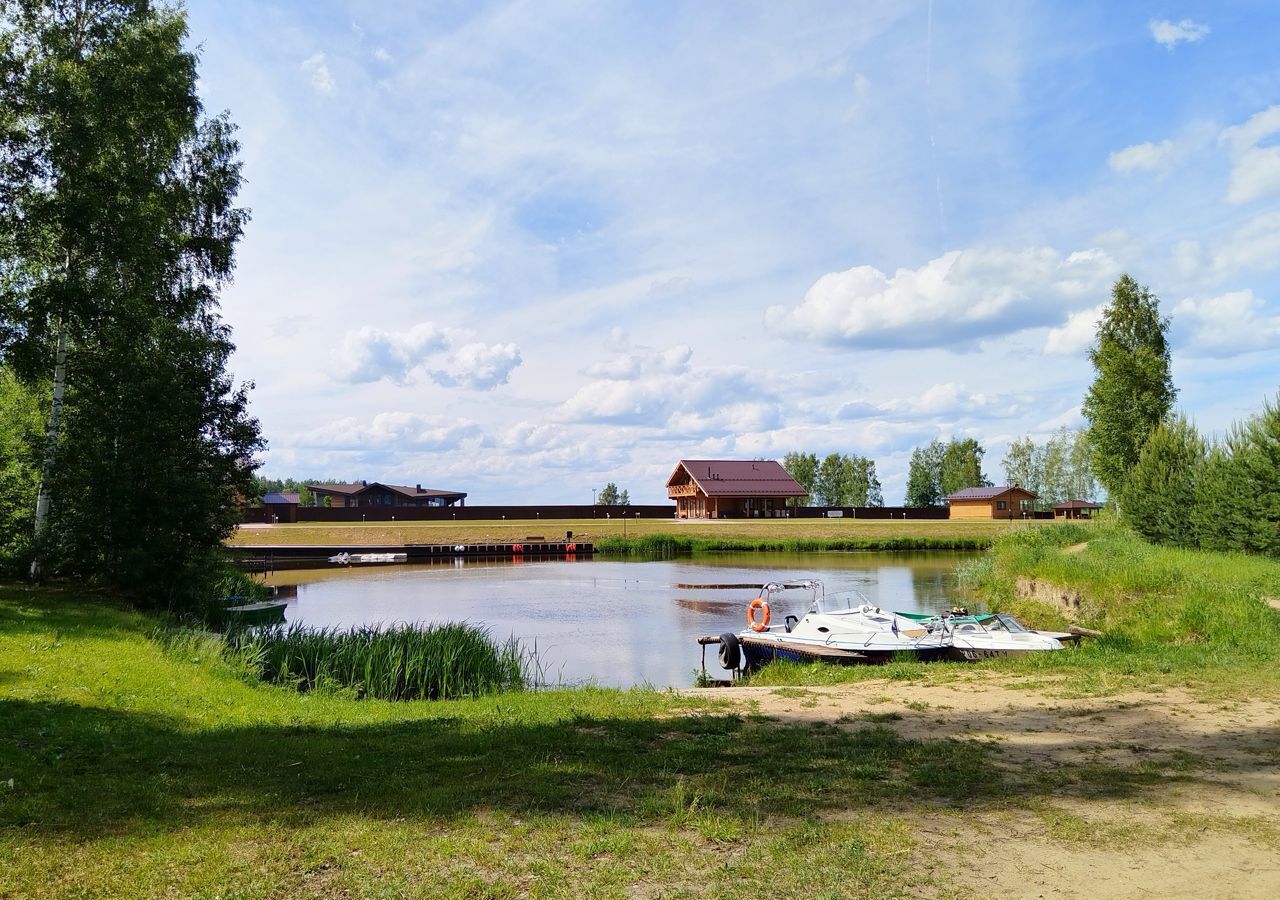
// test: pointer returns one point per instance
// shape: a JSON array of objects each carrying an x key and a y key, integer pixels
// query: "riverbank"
[
  {"x": 640, "y": 535},
  {"x": 130, "y": 768}
]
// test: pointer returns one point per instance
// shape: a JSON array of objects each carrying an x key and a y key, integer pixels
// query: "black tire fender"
[{"x": 730, "y": 651}]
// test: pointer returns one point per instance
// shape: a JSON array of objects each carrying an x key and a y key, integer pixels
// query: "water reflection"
[{"x": 611, "y": 622}]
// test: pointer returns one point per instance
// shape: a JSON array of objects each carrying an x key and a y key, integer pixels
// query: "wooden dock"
[{"x": 312, "y": 556}]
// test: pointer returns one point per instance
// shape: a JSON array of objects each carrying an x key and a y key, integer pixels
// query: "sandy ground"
[{"x": 1209, "y": 827}]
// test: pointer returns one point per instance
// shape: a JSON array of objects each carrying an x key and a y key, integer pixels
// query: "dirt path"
[{"x": 1164, "y": 794}]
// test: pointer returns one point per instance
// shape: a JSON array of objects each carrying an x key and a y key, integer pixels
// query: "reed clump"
[{"x": 402, "y": 662}]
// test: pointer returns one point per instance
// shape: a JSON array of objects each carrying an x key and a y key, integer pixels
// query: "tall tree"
[
  {"x": 924, "y": 486},
  {"x": 1160, "y": 490},
  {"x": 1022, "y": 465},
  {"x": 961, "y": 466},
  {"x": 1132, "y": 390},
  {"x": 611, "y": 495},
  {"x": 21, "y": 424},
  {"x": 803, "y": 467},
  {"x": 117, "y": 229}
]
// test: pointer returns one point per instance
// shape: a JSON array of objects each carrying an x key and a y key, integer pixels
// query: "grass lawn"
[
  {"x": 747, "y": 533},
  {"x": 134, "y": 767}
]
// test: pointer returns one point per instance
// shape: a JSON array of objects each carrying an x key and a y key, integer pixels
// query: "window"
[{"x": 1000, "y": 504}]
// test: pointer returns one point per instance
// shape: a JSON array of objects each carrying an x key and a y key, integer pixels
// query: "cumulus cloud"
[
  {"x": 316, "y": 68},
  {"x": 401, "y": 430},
  {"x": 1075, "y": 335},
  {"x": 1147, "y": 157},
  {"x": 477, "y": 366},
  {"x": 672, "y": 361},
  {"x": 1254, "y": 245},
  {"x": 940, "y": 401},
  {"x": 381, "y": 55},
  {"x": 1231, "y": 323},
  {"x": 1170, "y": 34},
  {"x": 1255, "y": 169},
  {"x": 961, "y": 295},
  {"x": 426, "y": 350}
]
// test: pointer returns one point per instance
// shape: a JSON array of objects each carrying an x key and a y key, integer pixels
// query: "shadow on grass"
[{"x": 85, "y": 771}]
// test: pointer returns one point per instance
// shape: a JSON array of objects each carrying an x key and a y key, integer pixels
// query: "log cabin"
[
  {"x": 996, "y": 502},
  {"x": 731, "y": 489}
]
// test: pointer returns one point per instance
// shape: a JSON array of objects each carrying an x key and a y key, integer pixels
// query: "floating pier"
[{"x": 312, "y": 556}]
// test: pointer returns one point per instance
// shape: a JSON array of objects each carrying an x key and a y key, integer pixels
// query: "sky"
[{"x": 525, "y": 249}]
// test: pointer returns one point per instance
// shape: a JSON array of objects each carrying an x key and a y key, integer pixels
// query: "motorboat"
[
  {"x": 985, "y": 636},
  {"x": 837, "y": 627}
]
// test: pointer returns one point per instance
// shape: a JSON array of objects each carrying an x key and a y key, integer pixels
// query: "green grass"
[
  {"x": 1169, "y": 616},
  {"x": 663, "y": 546},
  {"x": 402, "y": 662},
  {"x": 134, "y": 766}
]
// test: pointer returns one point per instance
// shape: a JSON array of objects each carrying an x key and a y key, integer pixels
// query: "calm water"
[{"x": 612, "y": 622}]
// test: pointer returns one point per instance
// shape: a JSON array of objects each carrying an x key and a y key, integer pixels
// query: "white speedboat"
[
  {"x": 984, "y": 636},
  {"x": 843, "y": 626}
]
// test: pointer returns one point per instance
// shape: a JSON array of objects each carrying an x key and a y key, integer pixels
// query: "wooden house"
[
  {"x": 731, "y": 489},
  {"x": 281, "y": 507},
  {"x": 375, "y": 493},
  {"x": 1075, "y": 509},
  {"x": 998, "y": 502}
]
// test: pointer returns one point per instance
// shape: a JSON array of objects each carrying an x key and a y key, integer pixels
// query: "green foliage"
[
  {"x": 611, "y": 496},
  {"x": 1132, "y": 391},
  {"x": 404, "y": 662},
  {"x": 21, "y": 431},
  {"x": 1058, "y": 470},
  {"x": 924, "y": 485},
  {"x": 1160, "y": 491},
  {"x": 667, "y": 546},
  {"x": 803, "y": 467},
  {"x": 961, "y": 466},
  {"x": 119, "y": 214},
  {"x": 847, "y": 480}
]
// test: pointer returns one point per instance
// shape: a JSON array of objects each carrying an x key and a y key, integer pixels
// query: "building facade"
[
  {"x": 998, "y": 502},
  {"x": 377, "y": 494},
  {"x": 1075, "y": 509},
  {"x": 731, "y": 489}
]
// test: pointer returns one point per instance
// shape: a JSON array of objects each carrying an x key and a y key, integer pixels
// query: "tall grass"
[
  {"x": 403, "y": 662},
  {"x": 665, "y": 546}
]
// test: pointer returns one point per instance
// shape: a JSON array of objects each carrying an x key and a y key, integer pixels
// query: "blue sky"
[{"x": 521, "y": 249}]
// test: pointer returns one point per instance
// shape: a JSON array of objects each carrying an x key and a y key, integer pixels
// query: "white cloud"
[
  {"x": 1074, "y": 336},
  {"x": 316, "y": 68},
  {"x": 1255, "y": 245},
  {"x": 1231, "y": 323},
  {"x": 672, "y": 361},
  {"x": 947, "y": 400},
  {"x": 1146, "y": 157},
  {"x": 382, "y": 55},
  {"x": 1170, "y": 34},
  {"x": 947, "y": 302},
  {"x": 401, "y": 430},
  {"x": 1255, "y": 170},
  {"x": 426, "y": 350},
  {"x": 477, "y": 366}
]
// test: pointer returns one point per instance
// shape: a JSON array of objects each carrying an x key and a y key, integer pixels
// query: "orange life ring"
[{"x": 758, "y": 624}]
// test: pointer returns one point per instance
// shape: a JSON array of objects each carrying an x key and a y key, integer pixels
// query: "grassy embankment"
[
  {"x": 129, "y": 767},
  {"x": 655, "y": 535},
  {"x": 1169, "y": 616}
]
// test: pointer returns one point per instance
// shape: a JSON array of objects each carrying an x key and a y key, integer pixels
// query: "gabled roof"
[
  {"x": 276, "y": 497},
  {"x": 403, "y": 489},
  {"x": 989, "y": 493},
  {"x": 1077, "y": 504},
  {"x": 739, "y": 478}
]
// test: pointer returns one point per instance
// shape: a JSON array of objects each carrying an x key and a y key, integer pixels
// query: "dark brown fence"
[{"x": 534, "y": 513}]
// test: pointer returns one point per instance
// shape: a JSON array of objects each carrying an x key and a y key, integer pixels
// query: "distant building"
[
  {"x": 999, "y": 502},
  {"x": 1075, "y": 509},
  {"x": 375, "y": 493},
  {"x": 731, "y": 488},
  {"x": 281, "y": 507}
]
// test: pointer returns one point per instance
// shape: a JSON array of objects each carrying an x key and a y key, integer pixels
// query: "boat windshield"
[
  {"x": 1011, "y": 624},
  {"x": 845, "y": 601}
]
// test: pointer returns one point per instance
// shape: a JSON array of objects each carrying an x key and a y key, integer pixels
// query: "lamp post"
[{"x": 593, "y": 503}]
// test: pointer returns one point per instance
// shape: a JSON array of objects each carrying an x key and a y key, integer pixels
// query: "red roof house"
[{"x": 731, "y": 488}]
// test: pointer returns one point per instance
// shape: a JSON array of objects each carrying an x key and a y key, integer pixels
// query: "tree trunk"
[{"x": 50, "y": 451}]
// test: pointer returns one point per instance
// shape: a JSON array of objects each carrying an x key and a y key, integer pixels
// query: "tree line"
[
  {"x": 1170, "y": 484},
  {"x": 126, "y": 443},
  {"x": 838, "y": 479},
  {"x": 1059, "y": 469}
]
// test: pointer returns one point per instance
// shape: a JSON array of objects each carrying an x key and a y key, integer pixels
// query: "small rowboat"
[{"x": 268, "y": 612}]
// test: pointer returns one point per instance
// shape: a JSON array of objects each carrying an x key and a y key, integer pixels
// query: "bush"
[{"x": 1160, "y": 491}]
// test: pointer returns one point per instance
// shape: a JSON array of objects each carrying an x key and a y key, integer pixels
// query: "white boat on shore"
[{"x": 350, "y": 559}]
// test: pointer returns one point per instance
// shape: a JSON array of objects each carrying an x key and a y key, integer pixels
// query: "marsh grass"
[
  {"x": 402, "y": 662},
  {"x": 667, "y": 546}
]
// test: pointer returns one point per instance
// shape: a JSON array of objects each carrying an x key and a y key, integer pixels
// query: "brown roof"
[
  {"x": 406, "y": 490},
  {"x": 740, "y": 478},
  {"x": 988, "y": 493},
  {"x": 1077, "y": 504}
]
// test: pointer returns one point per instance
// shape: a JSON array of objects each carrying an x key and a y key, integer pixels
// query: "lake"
[{"x": 611, "y": 622}]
